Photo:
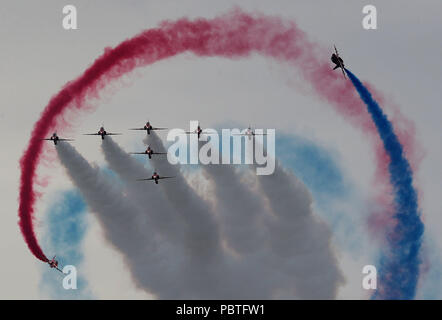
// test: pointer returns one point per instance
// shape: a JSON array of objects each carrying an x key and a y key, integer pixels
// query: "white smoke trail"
[
  {"x": 249, "y": 273},
  {"x": 152, "y": 198},
  {"x": 146, "y": 194},
  {"x": 204, "y": 237},
  {"x": 292, "y": 241},
  {"x": 287, "y": 238},
  {"x": 281, "y": 253},
  {"x": 156, "y": 266},
  {"x": 299, "y": 238},
  {"x": 126, "y": 226},
  {"x": 241, "y": 212}
]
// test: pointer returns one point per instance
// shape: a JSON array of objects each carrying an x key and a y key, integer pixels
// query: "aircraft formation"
[
  {"x": 149, "y": 151},
  {"x": 250, "y": 133}
]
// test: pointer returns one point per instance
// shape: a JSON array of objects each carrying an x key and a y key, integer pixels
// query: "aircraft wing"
[
  {"x": 59, "y": 139},
  {"x": 59, "y": 270},
  {"x": 159, "y": 152},
  {"x": 247, "y": 134},
  {"x": 165, "y": 177},
  {"x": 147, "y": 179},
  {"x": 137, "y": 153},
  {"x": 113, "y": 134},
  {"x": 137, "y": 129},
  {"x": 91, "y": 134},
  {"x": 154, "y": 128}
]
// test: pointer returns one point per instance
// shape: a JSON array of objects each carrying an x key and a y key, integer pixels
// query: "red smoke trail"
[{"x": 233, "y": 35}]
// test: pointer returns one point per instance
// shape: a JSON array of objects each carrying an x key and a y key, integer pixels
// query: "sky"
[{"x": 401, "y": 58}]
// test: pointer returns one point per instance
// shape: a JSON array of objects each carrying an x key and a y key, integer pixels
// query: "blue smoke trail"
[
  {"x": 335, "y": 198},
  {"x": 67, "y": 226},
  {"x": 399, "y": 267}
]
